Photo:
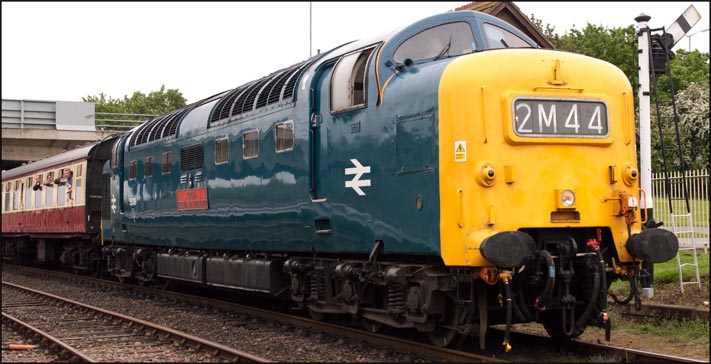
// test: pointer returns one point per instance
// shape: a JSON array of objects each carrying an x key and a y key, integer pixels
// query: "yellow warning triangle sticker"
[{"x": 460, "y": 149}]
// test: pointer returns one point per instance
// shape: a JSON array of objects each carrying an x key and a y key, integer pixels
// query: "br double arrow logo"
[{"x": 356, "y": 183}]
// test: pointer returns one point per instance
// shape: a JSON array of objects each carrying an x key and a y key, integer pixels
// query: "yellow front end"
[{"x": 494, "y": 178}]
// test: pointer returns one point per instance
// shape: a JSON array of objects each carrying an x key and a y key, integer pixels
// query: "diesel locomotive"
[{"x": 447, "y": 176}]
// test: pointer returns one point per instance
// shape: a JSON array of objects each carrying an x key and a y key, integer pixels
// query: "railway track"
[
  {"x": 425, "y": 351},
  {"x": 411, "y": 347},
  {"x": 90, "y": 334},
  {"x": 614, "y": 353}
]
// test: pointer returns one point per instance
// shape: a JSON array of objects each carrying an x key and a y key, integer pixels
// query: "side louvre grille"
[{"x": 191, "y": 157}]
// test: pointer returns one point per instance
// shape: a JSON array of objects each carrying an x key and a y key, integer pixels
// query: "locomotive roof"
[
  {"x": 278, "y": 87},
  {"x": 50, "y": 162}
]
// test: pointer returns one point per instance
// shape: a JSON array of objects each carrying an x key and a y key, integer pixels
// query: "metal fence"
[
  {"x": 120, "y": 121},
  {"x": 697, "y": 182}
]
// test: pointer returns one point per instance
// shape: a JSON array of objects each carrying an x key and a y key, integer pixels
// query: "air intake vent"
[
  {"x": 191, "y": 157},
  {"x": 256, "y": 94},
  {"x": 264, "y": 94},
  {"x": 143, "y": 130},
  {"x": 239, "y": 103},
  {"x": 222, "y": 109},
  {"x": 291, "y": 84},
  {"x": 158, "y": 129},
  {"x": 275, "y": 92},
  {"x": 249, "y": 103},
  {"x": 171, "y": 126}
]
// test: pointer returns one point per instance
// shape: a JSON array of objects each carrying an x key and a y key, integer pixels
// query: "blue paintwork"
[{"x": 265, "y": 203}]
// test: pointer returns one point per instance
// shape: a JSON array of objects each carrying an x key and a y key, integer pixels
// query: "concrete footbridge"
[{"x": 34, "y": 129}]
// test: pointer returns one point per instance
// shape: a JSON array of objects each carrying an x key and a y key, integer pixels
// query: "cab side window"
[
  {"x": 348, "y": 83},
  {"x": 442, "y": 41},
  {"x": 501, "y": 38}
]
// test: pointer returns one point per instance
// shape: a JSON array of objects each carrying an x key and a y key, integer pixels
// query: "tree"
[
  {"x": 155, "y": 103},
  {"x": 548, "y": 31},
  {"x": 686, "y": 68},
  {"x": 692, "y": 107},
  {"x": 690, "y": 80},
  {"x": 617, "y": 46}
]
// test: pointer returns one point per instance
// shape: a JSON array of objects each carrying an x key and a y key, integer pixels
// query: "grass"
[
  {"x": 668, "y": 272},
  {"x": 693, "y": 332}
]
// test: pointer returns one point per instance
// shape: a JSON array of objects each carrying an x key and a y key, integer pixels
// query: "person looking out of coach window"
[
  {"x": 38, "y": 183},
  {"x": 67, "y": 180}
]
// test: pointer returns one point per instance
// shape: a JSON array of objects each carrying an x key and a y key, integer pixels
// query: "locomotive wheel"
[
  {"x": 317, "y": 316},
  {"x": 445, "y": 332},
  {"x": 371, "y": 326}
]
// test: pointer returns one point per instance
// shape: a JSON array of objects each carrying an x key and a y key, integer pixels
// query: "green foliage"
[
  {"x": 692, "y": 111},
  {"x": 155, "y": 103},
  {"x": 548, "y": 30},
  {"x": 690, "y": 76},
  {"x": 686, "y": 68},
  {"x": 617, "y": 46}
]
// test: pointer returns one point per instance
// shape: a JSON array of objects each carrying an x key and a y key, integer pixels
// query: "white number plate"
[{"x": 568, "y": 118}]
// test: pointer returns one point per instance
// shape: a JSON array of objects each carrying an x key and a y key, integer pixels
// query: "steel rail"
[
  {"x": 396, "y": 344},
  {"x": 55, "y": 342},
  {"x": 620, "y": 353},
  {"x": 216, "y": 348}
]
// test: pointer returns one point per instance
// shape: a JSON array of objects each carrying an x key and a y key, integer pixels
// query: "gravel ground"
[
  {"x": 270, "y": 340},
  {"x": 40, "y": 354}
]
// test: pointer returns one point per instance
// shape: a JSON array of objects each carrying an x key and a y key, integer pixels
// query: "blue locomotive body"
[{"x": 297, "y": 199}]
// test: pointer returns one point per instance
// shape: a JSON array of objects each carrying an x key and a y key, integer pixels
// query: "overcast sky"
[{"x": 69, "y": 50}]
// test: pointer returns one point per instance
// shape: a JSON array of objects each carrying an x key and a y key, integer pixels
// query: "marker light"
[
  {"x": 566, "y": 199},
  {"x": 630, "y": 175}
]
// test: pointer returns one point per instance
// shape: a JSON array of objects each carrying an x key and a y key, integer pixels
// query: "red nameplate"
[{"x": 195, "y": 199}]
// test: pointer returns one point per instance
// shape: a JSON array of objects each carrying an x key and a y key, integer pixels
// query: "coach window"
[
  {"x": 61, "y": 190},
  {"x": 132, "y": 167},
  {"x": 446, "y": 40},
  {"x": 222, "y": 151},
  {"x": 6, "y": 197},
  {"x": 28, "y": 193},
  {"x": 500, "y": 38},
  {"x": 16, "y": 195},
  {"x": 22, "y": 195},
  {"x": 148, "y": 167},
  {"x": 284, "y": 134},
  {"x": 78, "y": 192},
  {"x": 37, "y": 187},
  {"x": 250, "y": 144},
  {"x": 348, "y": 84},
  {"x": 49, "y": 195},
  {"x": 165, "y": 163}
]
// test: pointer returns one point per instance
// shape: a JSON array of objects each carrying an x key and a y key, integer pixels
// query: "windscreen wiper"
[{"x": 445, "y": 50}]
